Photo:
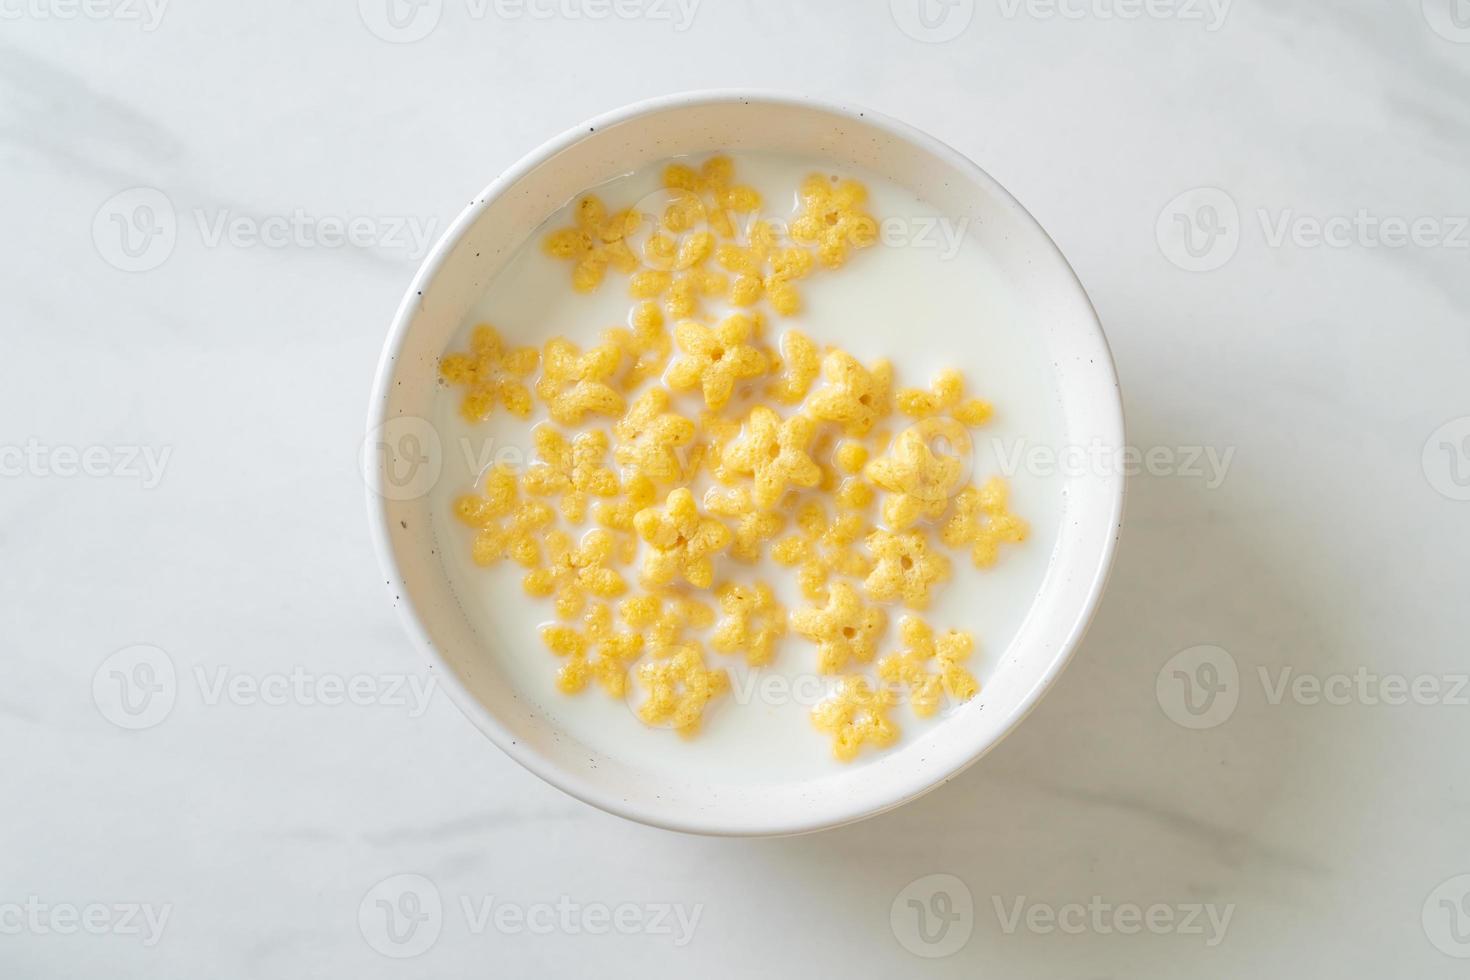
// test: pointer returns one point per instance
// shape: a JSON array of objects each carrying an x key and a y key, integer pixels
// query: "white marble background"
[{"x": 178, "y": 451}]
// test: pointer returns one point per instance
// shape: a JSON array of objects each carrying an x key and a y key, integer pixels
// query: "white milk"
[{"x": 926, "y": 301}]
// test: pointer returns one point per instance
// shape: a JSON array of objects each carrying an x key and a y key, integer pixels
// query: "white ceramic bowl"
[{"x": 403, "y": 460}]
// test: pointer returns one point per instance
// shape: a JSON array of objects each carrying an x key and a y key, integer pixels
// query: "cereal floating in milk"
[{"x": 735, "y": 462}]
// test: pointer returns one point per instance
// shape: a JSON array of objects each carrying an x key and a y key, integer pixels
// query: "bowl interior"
[{"x": 405, "y": 453}]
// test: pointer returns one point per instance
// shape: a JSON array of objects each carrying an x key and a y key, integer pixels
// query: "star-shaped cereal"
[
  {"x": 845, "y": 630},
  {"x": 920, "y": 481},
  {"x": 946, "y": 394},
  {"x": 823, "y": 547},
  {"x": 575, "y": 384},
  {"x": 573, "y": 572},
  {"x": 638, "y": 493},
  {"x": 492, "y": 374},
  {"x": 508, "y": 526},
  {"x": 773, "y": 453},
  {"x": 645, "y": 346},
  {"x": 681, "y": 291},
  {"x": 981, "y": 520},
  {"x": 856, "y": 715},
  {"x": 832, "y": 218},
  {"x": 614, "y": 652},
  {"x": 796, "y": 368},
  {"x": 594, "y": 242},
  {"x": 572, "y": 470},
  {"x": 753, "y": 622},
  {"x": 754, "y": 526},
  {"x": 852, "y": 395},
  {"x": 715, "y": 359},
  {"x": 912, "y": 667},
  {"x": 651, "y": 439},
  {"x": 679, "y": 687},
  {"x": 715, "y": 180},
  {"x": 763, "y": 269},
  {"x": 682, "y": 541},
  {"x": 906, "y": 568},
  {"x": 665, "y": 617}
]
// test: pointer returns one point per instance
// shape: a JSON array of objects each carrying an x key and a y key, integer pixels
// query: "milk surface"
[{"x": 927, "y": 297}]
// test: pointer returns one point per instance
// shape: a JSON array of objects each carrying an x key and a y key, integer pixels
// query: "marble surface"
[{"x": 1255, "y": 765}]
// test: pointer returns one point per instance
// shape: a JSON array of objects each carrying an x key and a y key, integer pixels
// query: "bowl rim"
[{"x": 569, "y": 781}]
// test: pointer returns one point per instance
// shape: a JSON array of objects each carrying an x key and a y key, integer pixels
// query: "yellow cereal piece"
[
  {"x": 638, "y": 493},
  {"x": 911, "y": 667},
  {"x": 717, "y": 432},
  {"x": 845, "y": 630},
  {"x": 573, "y": 572},
  {"x": 664, "y": 617},
  {"x": 906, "y": 568},
  {"x": 682, "y": 541},
  {"x": 645, "y": 347},
  {"x": 753, "y": 525},
  {"x": 687, "y": 288},
  {"x": 856, "y": 715},
  {"x": 832, "y": 218},
  {"x": 648, "y": 283},
  {"x": 615, "y": 651},
  {"x": 946, "y": 394},
  {"x": 572, "y": 470},
  {"x": 508, "y": 527},
  {"x": 594, "y": 242},
  {"x": 851, "y": 457},
  {"x": 753, "y": 622},
  {"x": 798, "y": 365},
  {"x": 792, "y": 550},
  {"x": 574, "y": 384},
  {"x": 981, "y": 520},
  {"x": 680, "y": 688},
  {"x": 773, "y": 453},
  {"x": 920, "y": 481},
  {"x": 651, "y": 439},
  {"x": 492, "y": 374},
  {"x": 852, "y": 395},
  {"x": 715, "y": 359}
]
